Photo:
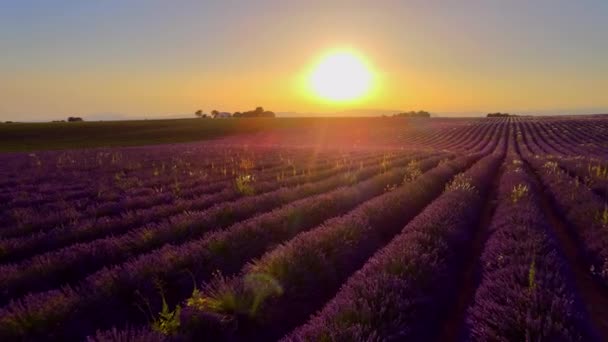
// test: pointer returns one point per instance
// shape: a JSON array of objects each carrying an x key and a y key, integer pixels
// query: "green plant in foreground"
[
  {"x": 168, "y": 321},
  {"x": 261, "y": 286},
  {"x": 224, "y": 297}
]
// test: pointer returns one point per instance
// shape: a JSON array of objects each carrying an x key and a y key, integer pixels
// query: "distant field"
[
  {"x": 23, "y": 137},
  {"x": 69, "y": 135}
]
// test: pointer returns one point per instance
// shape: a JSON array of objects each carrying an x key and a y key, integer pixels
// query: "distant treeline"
[
  {"x": 71, "y": 119},
  {"x": 259, "y": 112},
  {"x": 500, "y": 115},
  {"x": 414, "y": 114}
]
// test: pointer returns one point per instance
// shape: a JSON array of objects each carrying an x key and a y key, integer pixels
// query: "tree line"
[
  {"x": 259, "y": 112},
  {"x": 413, "y": 114},
  {"x": 500, "y": 115}
]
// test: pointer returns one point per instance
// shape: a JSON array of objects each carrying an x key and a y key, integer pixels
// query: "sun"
[{"x": 341, "y": 76}]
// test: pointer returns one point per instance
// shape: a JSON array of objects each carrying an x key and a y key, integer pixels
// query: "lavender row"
[
  {"x": 400, "y": 293},
  {"x": 179, "y": 177},
  {"x": 113, "y": 200},
  {"x": 37, "y": 220},
  {"x": 47, "y": 270},
  {"x": 526, "y": 291},
  {"x": 109, "y": 297},
  {"x": 592, "y": 172},
  {"x": 154, "y": 169},
  {"x": 551, "y": 139},
  {"x": 18, "y": 248},
  {"x": 278, "y": 291},
  {"x": 585, "y": 211},
  {"x": 146, "y": 161},
  {"x": 105, "y": 200},
  {"x": 583, "y": 139}
]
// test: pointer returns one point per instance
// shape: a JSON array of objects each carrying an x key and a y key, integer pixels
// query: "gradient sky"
[{"x": 159, "y": 58}]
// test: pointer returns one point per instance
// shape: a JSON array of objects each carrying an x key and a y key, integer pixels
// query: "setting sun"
[{"x": 341, "y": 76}]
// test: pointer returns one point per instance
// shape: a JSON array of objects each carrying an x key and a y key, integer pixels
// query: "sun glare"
[{"x": 341, "y": 76}]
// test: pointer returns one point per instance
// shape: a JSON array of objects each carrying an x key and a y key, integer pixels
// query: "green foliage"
[
  {"x": 244, "y": 185},
  {"x": 532, "y": 275},
  {"x": 246, "y": 164},
  {"x": 599, "y": 171},
  {"x": 460, "y": 182},
  {"x": 168, "y": 321},
  {"x": 518, "y": 192},
  {"x": 218, "y": 297},
  {"x": 604, "y": 216},
  {"x": 223, "y": 296},
  {"x": 551, "y": 166},
  {"x": 412, "y": 171},
  {"x": 261, "y": 286}
]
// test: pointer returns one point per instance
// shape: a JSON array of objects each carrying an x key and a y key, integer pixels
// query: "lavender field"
[{"x": 357, "y": 230}]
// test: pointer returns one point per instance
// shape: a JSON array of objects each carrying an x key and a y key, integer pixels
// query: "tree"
[
  {"x": 500, "y": 115},
  {"x": 215, "y": 113},
  {"x": 259, "y": 112},
  {"x": 74, "y": 119},
  {"x": 199, "y": 113},
  {"x": 414, "y": 114}
]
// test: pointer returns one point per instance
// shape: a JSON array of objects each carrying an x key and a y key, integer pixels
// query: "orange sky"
[{"x": 150, "y": 58}]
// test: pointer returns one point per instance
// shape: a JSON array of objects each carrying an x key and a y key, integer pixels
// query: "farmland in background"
[{"x": 305, "y": 230}]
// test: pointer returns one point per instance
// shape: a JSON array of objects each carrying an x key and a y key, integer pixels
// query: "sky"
[{"x": 153, "y": 58}]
